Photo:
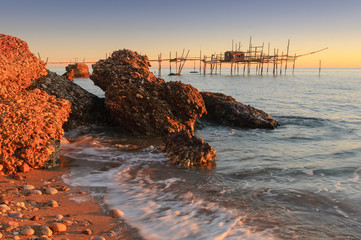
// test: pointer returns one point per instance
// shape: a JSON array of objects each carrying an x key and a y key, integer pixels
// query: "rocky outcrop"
[
  {"x": 18, "y": 66},
  {"x": 86, "y": 108},
  {"x": 122, "y": 65},
  {"x": 31, "y": 124},
  {"x": 78, "y": 70},
  {"x": 226, "y": 110},
  {"x": 30, "y": 120},
  {"x": 154, "y": 109},
  {"x": 188, "y": 150},
  {"x": 69, "y": 75}
]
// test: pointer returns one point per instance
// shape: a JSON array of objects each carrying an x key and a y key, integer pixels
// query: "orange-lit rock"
[
  {"x": 18, "y": 66},
  {"x": 188, "y": 151},
  {"x": 154, "y": 109},
  {"x": 122, "y": 65},
  {"x": 78, "y": 70},
  {"x": 29, "y": 122}
]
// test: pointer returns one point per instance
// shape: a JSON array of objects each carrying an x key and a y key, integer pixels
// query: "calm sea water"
[{"x": 300, "y": 181}]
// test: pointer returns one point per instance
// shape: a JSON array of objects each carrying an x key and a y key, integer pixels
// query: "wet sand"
[{"x": 30, "y": 201}]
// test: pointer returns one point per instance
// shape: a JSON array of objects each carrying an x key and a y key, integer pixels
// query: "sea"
[{"x": 299, "y": 181}]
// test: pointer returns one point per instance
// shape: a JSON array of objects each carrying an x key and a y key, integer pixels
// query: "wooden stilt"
[
  {"x": 288, "y": 48},
  {"x": 294, "y": 63}
]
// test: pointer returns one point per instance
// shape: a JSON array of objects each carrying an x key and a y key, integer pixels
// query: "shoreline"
[{"x": 22, "y": 207}]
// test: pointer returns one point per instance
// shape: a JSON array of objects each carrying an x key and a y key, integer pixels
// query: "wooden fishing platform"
[{"x": 254, "y": 56}]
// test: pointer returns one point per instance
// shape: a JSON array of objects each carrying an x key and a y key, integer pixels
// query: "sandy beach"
[{"x": 40, "y": 198}]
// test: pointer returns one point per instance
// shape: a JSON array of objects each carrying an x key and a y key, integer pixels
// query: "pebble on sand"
[
  {"x": 46, "y": 230},
  {"x": 27, "y": 232},
  {"x": 53, "y": 203},
  {"x": 51, "y": 191},
  {"x": 115, "y": 213},
  {"x": 58, "y": 227}
]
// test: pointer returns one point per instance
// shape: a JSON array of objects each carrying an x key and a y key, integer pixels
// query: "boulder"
[
  {"x": 69, "y": 75},
  {"x": 86, "y": 108},
  {"x": 188, "y": 150},
  {"x": 30, "y": 120},
  {"x": 122, "y": 65},
  {"x": 225, "y": 110},
  {"x": 78, "y": 70},
  {"x": 18, "y": 66},
  {"x": 148, "y": 108},
  {"x": 31, "y": 127}
]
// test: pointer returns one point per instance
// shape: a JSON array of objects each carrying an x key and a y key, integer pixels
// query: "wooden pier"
[{"x": 239, "y": 60}]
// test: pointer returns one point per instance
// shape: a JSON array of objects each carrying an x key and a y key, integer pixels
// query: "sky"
[{"x": 68, "y": 29}]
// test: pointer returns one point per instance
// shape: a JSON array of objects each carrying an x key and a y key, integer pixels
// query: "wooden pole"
[
  {"x": 176, "y": 61},
  {"x": 170, "y": 62},
  {"x": 294, "y": 63},
  {"x": 268, "y": 56},
  {"x": 281, "y": 64},
  {"x": 200, "y": 61},
  {"x": 204, "y": 65},
  {"x": 288, "y": 48},
  {"x": 319, "y": 69}
]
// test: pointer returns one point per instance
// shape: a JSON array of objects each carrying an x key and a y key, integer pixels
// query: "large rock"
[
  {"x": 188, "y": 150},
  {"x": 30, "y": 120},
  {"x": 122, "y": 65},
  {"x": 18, "y": 66},
  {"x": 78, "y": 70},
  {"x": 143, "y": 107},
  {"x": 86, "y": 108},
  {"x": 225, "y": 110},
  {"x": 31, "y": 124}
]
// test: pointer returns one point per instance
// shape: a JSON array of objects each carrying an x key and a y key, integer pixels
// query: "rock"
[
  {"x": 18, "y": 66},
  {"x": 46, "y": 230},
  {"x": 28, "y": 187},
  {"x": 1, "y": 167},
  {"x": 16, "y": 215},
  {"x": 99, "y": 238},
  {"x": 86, "y": 108},
  {"x": 27, "y": 232},
  {"x": 78, "y": 70},
  {"x": 87, "y": 231},
  {"x": 32, "y": 123},
  {"x": 59, "y": 217},
  {"x": 35, "y": 218},
  {"x": 115, "y": 213},
  {"x": 58, "y": 227},
  {"x": 69, "y": 75},
  {"x": 122, "y": 65},
  {"x": 226, "y": 110},
  {"x": 51, "y": 191},
  {"x": 24, "y": 168},
  {"x": 187, "y": 150},
  {"x": 7, "y": 227},
  {"x": 1, "y": 235},
  {"x": 31, "y": 120},
  {"x": 175, "y": 108},
  {"x": 53, "y": 203},
  {"x": 36, "y": 192},
  {"x": 4, "y": 208}
]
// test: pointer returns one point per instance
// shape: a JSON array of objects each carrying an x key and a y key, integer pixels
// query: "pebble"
[
  {"x": 46, "y": 230},
  {"x": 35, "y": 218},
  {"x": 16, "y": 237},
  {"x": 36, "y": 192},
  {"x": 1, "y": 235},
  {"x": 58, "y": 227},
  {"x": 27, "y": 232},
  {"x": 99, "y": 238},
  {"x": 87, "y": 231},
  {"x": 51, "y": 191},
  {"x": 53, "y": 203},
  {"x": 7, "y": 227},
  {"x": 16, "y": 215},
  {"x": 4, "y": 208},
  {"x": 115, "y": 213},
  {"x": 29, "y": 187},
  {"x": 59, "y": 217}
]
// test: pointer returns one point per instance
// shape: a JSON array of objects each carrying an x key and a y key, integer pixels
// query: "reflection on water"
[{"x": 300, "y": 181}]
